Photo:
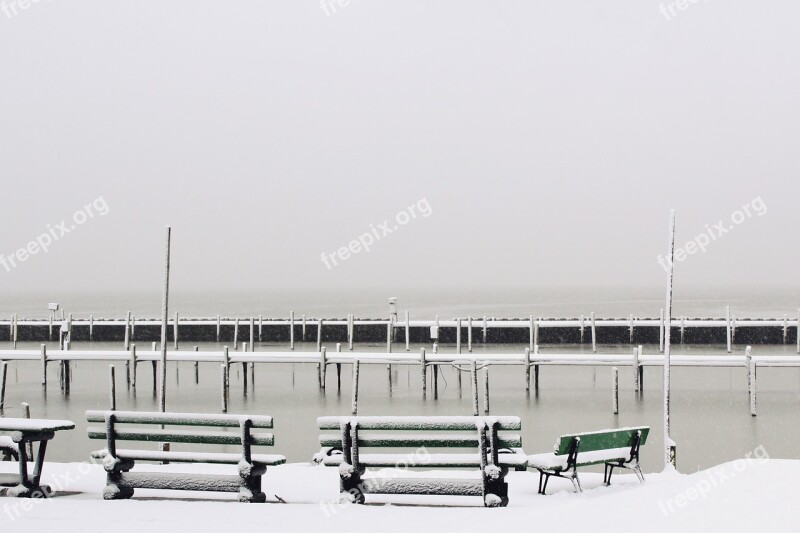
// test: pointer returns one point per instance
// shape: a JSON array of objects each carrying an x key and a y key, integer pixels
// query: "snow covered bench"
[
  {"x": 492, "y": 453},
  {"x": 118, "y": 463},
  {"x": 9, "y": 450},
  {"x": 615, "y": 448}
]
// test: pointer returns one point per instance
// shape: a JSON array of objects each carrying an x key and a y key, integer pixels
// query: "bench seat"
[
  {"x": 558, "y": 463},
  {"x": 192, "y": 457},
  {"x": 454, "y": 460}
]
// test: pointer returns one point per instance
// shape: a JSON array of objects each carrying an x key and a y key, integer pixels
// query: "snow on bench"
[
  {"x": 493, "y": 454},
  {"x": 118, "y": 462},
  {"x": 615, "y": 448}
]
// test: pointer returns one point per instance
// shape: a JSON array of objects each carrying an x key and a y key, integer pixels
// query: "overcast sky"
[{"x": 544, "y": 142}]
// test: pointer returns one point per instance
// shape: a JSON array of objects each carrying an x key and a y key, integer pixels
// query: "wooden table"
[{"x": 24, "y": 431}]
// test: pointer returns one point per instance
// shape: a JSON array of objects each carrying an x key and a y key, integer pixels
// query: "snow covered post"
[
  {"x": 127, "y": 342},
  {"x": 235, "y": 334},
  {"x": 661, "y": 330},
  {"x": 261, "y": 326},
  {"x": 669, "y": 444},
  {"x": 798, "y": 331},
  {"x": 536, "y": 331},
  {"x": 113, "y": 387},
  {"x": 323, "y": 367},
  {"x": 536, "y": 368},
  {"x": 219, "y": 325},
  {"x": 485, "y": 326},
  {"x": 473, "y": 374},
  {"x": 50, "y": 334},
  {"x": 175, "y": 331},
  {"x": 226, "y": 360},
  {"x": 641, "y": 368},
  {"x": 319, "y": 335},
  {"x": 615, "y": 389},
  {"x": 630, "y": 328},
  {"x": 527, "y": 363},
  {"x": 408, "y": 333},
  {"x": 728, "y": 326},
  {"x": 350, "y": 330},
  {"x": 356, "y": 365},
  {"x": 530, "y": 333},
  {"x": 16, "y": 328},
  {"x": 91, "y": 327},
  {"x": 594, "y": 334},
  {"x": 303, "y": 327},
  {"x": 436, "y": 341},
  {"x": 133, "y": 327},
  {"x": 733, "y": 329},
  {"x": 683, "y": 327},
  {"x": 751, "y": 379},
  {"x": 338, "y": 368},
  {"x": 458, "y": 335},
  {"x": 582, "y": 328},
  {"x": 196, "y": 367},
  {"x": 486, "y": 390},
  {"x": 162, "y": 400},
  {"x": 223, "y": 387},
  {"x": 252, "y": 334},
  {"x": 785, "y": 327},
  {"x": 389, "y": 330},
  {"x": 469, "y": 334},
  {"x": 291, "y": 330},
  {"x": 3, "y": 374},
  {"x": 423, "y": 365},
  {"x": 635, "y": 370},
  {"x": 43, "y": 348}
]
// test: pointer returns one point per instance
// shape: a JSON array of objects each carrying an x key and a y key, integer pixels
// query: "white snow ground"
[{"x": 745, "y": 495}]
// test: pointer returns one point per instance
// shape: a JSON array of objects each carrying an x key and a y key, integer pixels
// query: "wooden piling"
[
  {"x": 112, "y": 387},
  {"x": 485, "y": 327},
  {"x": 728, "y": 326},
  {"x": 641, "y": 369},
  {"x": 594, "y": 334},
  {"x": 458, "y": 336},
  {"x": 260, "y": 327},
  {"x": 486, "y": 390},
  {"x": 469, "y": 334},
  {"x": 350, "y": 331},
  {"x": 630, "y": 328},
  {"x": 91, "y": 327},
  {"x": 291, "y": 331},
  {"x": 683, "y": 327},
  {"x": 197, "y": 368},
  {"x": 323, "y": 367},
  {"x": 26, "y": 413},
  {"x": 536, "y": 369},
  {"x": 435, "y": 382},
  {"x": 615, "y": 389},
  {"x": 235, "y": 334},
  {"x": 751, "y": 382},
  {"x": 175, "y": 331},
  {"x": 408, "y": 333},
  {"x": 473, "y": 374},
  {"x": 354, "y": 410},
  {"x": 127, "y": 342},
  {"x": 219, "y": 326},
  {"x": 785, "y": 328},
  {"x": 338, "y": 369},
  {"x": 531, "y": 342},
  {"x": 223, "y": 387},
  {"x": 303, "y": 327},
  {"x": 661, "y": 331},
  {"x": 133, "y": 327},
  {"x": 3, "y": 375},
  {"x": 582, "y": 327},
  {"x": 635, "y": 367},
  {"x": 319, "y": 335},
  {"x": 423, "y": 365},
  {"x": 43, "y": 352},
  {"x": 252, "y": 334},
  {"x": 226, "y": 360},
  {"x": 50, "y": 333},
  {"x": 527, "y": 363}
]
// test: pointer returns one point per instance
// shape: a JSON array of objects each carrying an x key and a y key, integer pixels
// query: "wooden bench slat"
[
  {"x": 193, "y": 457},
  {"x": 415, "y": 440},
  {"x": 400, "y": 423},
  {"x": 511, "y": 460},
  {"x": 180, "y": 419},
  {"x": 189, "y": 437},
  {"x": 427, "y": 487},
  {"x": 602, "y": 440},
  {"x": 177, "y": 481}
]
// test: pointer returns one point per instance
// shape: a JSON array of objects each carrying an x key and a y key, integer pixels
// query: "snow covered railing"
[
  {"x": 118, "y": 462},
  {"x": 614, "y": 448},
  {"x": 493, "y": 453}
]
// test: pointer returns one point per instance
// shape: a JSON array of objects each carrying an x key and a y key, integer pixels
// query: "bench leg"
[
  {"x": 250, "y": 487},
  {"x": 544, "y": 477},
  {"x": 608, "y": 470},
  {"x": 114, "y": 489},
  {"x": 575, "y": 481},
  {"x": 496, "y": 488},
  {"x": 350, "y": 484},
  {"x": 638, "y": 470}
]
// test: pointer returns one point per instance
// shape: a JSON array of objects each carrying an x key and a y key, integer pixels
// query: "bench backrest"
[
  {"x": 112, "y": 433},
  {"x": 602, "y": 440}
]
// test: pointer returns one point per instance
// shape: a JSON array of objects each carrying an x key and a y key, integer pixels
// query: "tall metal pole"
[
  {"x": 164, "y": 314},
  {"x": 669, "y": 444}
]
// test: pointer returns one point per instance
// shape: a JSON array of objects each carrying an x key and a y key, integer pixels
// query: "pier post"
[
  {"x": 582, "y": 328},
  {"x": 798, "y": 331},
  {"x": 486, "y": 390},
  {"x": 354, "y": 409},
  {"x": 350, "y": 331},
  {"x": 615, "y": 389},
  {"x": 469, "y": 334},
  {"x": 635, "y": 370},
  {"x": 436, "y": 342},
  {"x": 303, "y": 327},
  {"x": 785, "y": 327},
  {"x": 219, "y": 325},
  {"x": 661, "y": 330},
  {"x": 319, "y": 335},
  {"x": 536, "y": 331},
  {"x": 127, "y": 342},
  {"x": 531, "y": 342},
  {"x": 223, "y": 378},
  {"x": 536, "y": 369},
  {"x": 235, "y": 334},
  {"x": 728, "y": 326},
  {"x": 196, "y": 368},
  {"x": 26, "y": 413},
  {"x": 260, "y": 327},
  {"x": 43, "y": 348},
  {"x": 641, "y": 369},
  {"x": 751, "y": 381},
  {"x": 630, "y": 328},
  {"x": 3, "y": 375},
  {"x": 252, "y": 334},
  {"x": 435, "y": 381},
  {"x": 226, "y": 360},
  {"x": 683, "y": 326},
  {"x": 133, "y": 365},
  {"x": 408, "y": 333},
  {"x": 473, "y": 374},
  {"x": 175, "y": 331},
  {"x": 594, "y": 334},
  {"x": 323, "y": 367},
  {"x": 389, "y": 331},
  {"x": 485, "y": 326},
  {"x": 50, "y": 334},
  {"x": 458, "y": 336},
  {"x": 733, "y": 329},
  {"x": 91, "y": 327},
  {"x": 291, "y": 331},
  {"x": 16, "y": 327},
  {"x": 527, "y": 363},
  {"x": 113, "y": 387},
  {"x": 338, "y": 369},
  {"x": 423, "y": 366},
  {"x": 133, "y": 327}
]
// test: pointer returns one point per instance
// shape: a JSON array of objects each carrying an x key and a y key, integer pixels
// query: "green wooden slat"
[
  {"x": 602, "y": 440},
  {"x": 190, "y": 437}
]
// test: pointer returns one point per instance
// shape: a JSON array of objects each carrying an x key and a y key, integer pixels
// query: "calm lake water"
[{"x": 711, "y": 419}]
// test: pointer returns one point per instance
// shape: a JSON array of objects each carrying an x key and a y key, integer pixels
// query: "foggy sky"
[{"x": 549, "y": 139}]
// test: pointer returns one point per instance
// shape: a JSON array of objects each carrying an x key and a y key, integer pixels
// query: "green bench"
[
  {"x": 493, "y": 452},
  {"x": 615, "y": 448},
  {"x": 118, "y": 462}
]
